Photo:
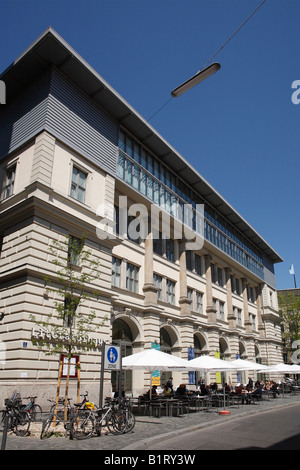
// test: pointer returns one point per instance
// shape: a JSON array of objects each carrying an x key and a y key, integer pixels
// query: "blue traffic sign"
[{"x": 112, "y": 355}]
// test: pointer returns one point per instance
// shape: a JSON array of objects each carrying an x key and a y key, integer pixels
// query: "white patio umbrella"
[
  {"x": 152, "y": 359},
  {"x": 242, "y": 364},
  {"x": 296, "y": 368},
  {"x": 280, "y": 368},
  {"x": 213, "y": 364}
]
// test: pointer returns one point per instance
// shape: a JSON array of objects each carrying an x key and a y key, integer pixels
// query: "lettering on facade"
[{"x": 45, "y": 335}]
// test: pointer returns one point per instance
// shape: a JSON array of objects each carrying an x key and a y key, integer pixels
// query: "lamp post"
[{"x": 199, "y": 77}]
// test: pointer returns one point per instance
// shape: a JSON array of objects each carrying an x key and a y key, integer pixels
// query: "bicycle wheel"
[
  {"x": 130, "y": 421},
  {"x": 22, "y": 423},
  {"x": 45, "y": 433},
  {"x": 118, "y": 422},
  {"x": 35, "y": 413},
  {"x": 82, "y": 426}
]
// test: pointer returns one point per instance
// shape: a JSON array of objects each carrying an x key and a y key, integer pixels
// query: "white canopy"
[
  {"x": 152, "y": 359},
  {"x": 242, "y": 364},
  {"x": 211, "y": 364},
  {"x": 296, "y": 368},
  {"x": 280, "y": 368}
]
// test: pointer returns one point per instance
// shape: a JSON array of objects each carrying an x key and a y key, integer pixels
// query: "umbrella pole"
[{"x": 224, "y": 412}]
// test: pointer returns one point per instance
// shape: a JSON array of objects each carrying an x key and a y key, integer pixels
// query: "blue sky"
[{"x": 239, "y": 129}]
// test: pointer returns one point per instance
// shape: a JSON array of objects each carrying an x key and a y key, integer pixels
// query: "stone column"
[
  {"x": 210, "y": 310},
  {"x": 150, "y": 291},
  {"x": 247, "y": 322},
  {"x": 184, "y": 302},
  {"x": 260, "y": 324},
  {"x": 230, "y": 315}
]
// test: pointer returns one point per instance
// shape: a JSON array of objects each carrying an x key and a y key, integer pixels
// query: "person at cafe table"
[{"x": 181, "y": 390}]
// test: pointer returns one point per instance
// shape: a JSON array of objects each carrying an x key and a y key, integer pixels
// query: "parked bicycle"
[
  {"x": 33, "y": 409},
  {"x": 56, "y": 419},
  {"x": 17, "y": 419},
  {"x": 116, "y": 417}
]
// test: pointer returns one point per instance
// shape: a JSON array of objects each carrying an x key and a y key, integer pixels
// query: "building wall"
[{"x": 42, "y": 209}]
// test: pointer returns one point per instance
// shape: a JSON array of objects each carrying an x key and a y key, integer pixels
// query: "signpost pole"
[{"x": 102, "y": 375}]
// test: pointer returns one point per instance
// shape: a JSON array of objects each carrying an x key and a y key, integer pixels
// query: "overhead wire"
[{"x": 215, "y": 54}]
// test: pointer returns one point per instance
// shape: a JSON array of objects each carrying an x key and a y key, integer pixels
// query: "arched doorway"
[
  {"x": 166, "y": 344},
  {"x": 241, "y": 376},
  {"x": 199, "y": 348},
  {"x": 224, "y": 350},
  {"x": 122, "y": 336}
]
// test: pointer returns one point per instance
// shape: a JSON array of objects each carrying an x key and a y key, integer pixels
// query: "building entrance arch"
[{"x": 122, "y": 336}]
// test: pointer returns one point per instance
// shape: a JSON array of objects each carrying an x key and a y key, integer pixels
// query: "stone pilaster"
[
  {"x": 210, "y": 310},
  {"x": 230, "y": 315},
  {"x": 247, "y": 322},
  {"x": 150, "y": 291},
  {"x": 184, "y": 302}
]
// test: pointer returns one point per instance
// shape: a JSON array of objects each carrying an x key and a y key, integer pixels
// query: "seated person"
[
  {"x": 257, "y": 392},
  {"x": 166, "y": 391},
  {"x": 154, "y": 393},
  {"x": 241, "y": 391},
  {"x": 181, "y": 390},
  {"x": 204, "y": 389}
]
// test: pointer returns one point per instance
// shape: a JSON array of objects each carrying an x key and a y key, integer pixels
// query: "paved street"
[
  {"x": 154, "y": 433},
  {"x": 277, "y": 429}
]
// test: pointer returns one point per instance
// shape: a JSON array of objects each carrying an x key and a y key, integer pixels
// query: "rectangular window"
[
  {"x": 220, "y": 277},
  {"x": 74, "y": 250},
  {"x": 199, "y": 302},
  {"x": 189, "y": 261},
  {"x": 9, "y": 182},
  {"x": 170, "y": 249},
  {"x": 78, "y": 184},
  {"x": 116, "y": 272},
  {"x": 222, "y": 311},
  {"x": 170, "y": 292},
  {"x": 132, "y": 278},
  {"x": 70, "y": 306},
  {"x": 157, "y": 245},
  {"x": 158, "y": 284},
  {"x": 198, "y": 269},
  {"x": 239, "y": 317}
]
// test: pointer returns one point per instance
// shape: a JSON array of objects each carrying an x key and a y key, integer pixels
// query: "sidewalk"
[{"x": 147, "y": 429}]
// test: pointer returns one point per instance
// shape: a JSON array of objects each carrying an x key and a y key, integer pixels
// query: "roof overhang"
[{"x": 50, "y": 49}]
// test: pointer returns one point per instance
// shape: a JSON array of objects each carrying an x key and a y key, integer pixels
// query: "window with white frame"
[
  {"x": 239, "y": 317},
  {"x": 199, "y": 302},
  {"x": 78, "y": 184},
  {"x": 170, "y": 289},
  {"x": 157, "y": 280},
  {"x": 9, "y": 182},
  {"x": 132, "y": 278},
  {"x": 222, "y": 310},
  {"x": 116, "y": 272}
]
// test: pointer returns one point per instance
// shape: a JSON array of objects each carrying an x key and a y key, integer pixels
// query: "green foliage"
[
  {"x": 289, "y": 310},
  {"x": 67, "y": 328}
]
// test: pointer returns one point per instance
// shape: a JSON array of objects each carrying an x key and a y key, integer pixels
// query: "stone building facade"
[{"x": 72, "y": 151}]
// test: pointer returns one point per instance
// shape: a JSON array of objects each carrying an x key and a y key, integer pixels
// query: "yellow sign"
[{"x": 218, "y": 374}]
